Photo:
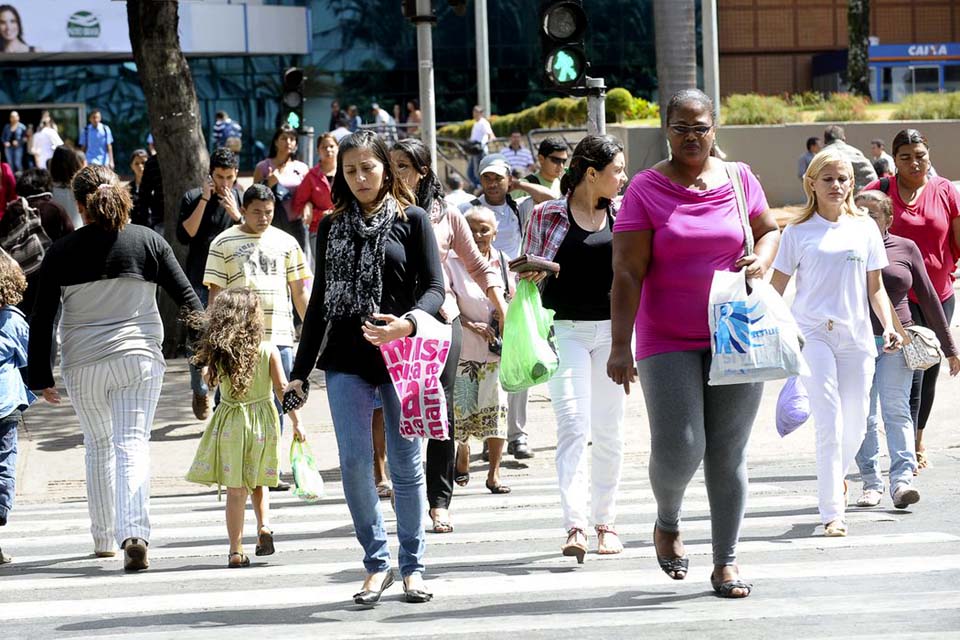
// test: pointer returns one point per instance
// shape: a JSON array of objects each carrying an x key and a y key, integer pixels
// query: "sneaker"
[
  {"x": 869, "y": 498},
  {"x": 904, "y": 496},
  {"x": 201, "y": 406},
  {"x": 105, "y": 554},
  {"x": 519, "y": 450},
  {"x": 135, "y": 554},
  {"x": 4, "y": 558}
]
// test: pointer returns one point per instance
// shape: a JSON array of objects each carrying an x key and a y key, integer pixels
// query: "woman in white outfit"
[{"x": 837, "y": 254}]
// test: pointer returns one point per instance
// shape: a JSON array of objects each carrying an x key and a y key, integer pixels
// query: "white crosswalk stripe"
[{"x": 504, "y": 551}]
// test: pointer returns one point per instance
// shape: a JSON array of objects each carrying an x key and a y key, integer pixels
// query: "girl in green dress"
[{"x": 240, "y": 447}]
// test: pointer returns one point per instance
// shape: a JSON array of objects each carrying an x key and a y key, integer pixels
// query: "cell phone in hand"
[
  {"x": 375, "y": 322},
  {"x": 293, "y": 400}
]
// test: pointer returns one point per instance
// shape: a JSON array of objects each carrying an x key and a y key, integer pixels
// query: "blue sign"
[{"x": 933, "y": 50}]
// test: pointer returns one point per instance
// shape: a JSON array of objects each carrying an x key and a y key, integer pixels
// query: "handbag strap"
[
  {"x": 733, "y": 170},
  {"x": 503, "y": 274},
  {"x": 898, "y": 327}
]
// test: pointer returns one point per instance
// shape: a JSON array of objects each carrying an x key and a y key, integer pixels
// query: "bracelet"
[{"x": 204, "y": 199}]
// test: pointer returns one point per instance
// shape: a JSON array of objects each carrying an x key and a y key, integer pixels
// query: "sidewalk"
[{"x": 50, "y": 466}]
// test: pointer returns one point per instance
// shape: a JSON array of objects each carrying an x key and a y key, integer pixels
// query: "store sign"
[
  {"x": 934, "y": 50},
  {"x": 58, "y": 29}
]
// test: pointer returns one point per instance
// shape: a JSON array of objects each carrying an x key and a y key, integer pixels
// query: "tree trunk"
[
  {"x": 676, "y": 45},
  {"x": 174, "y": 121},
  {"x": 858, "y": 31}
]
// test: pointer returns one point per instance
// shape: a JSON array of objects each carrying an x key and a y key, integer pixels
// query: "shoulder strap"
[
  {"x": 503, "y": 273},
  {"x": 476, "y": 202},
  {"x": 885, "y": 185},
  {"x": 733, "y": 170}
]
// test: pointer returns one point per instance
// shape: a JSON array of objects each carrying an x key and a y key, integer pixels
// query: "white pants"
[
  {"x": 839, "y": 389},
  {"x": 115, "y": 401},
  {"x": 588, "y": 406}
]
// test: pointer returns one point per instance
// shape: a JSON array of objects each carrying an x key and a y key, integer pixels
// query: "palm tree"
[
  {"x": 858, "y": 32},
  {"x": 676, "y": 45}
]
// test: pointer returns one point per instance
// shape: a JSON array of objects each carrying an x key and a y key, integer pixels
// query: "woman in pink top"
[
  {"x": 283, "y": 173},
  {"x": 678, "y": 223},
  {"x": 926, "y": 210},
  {"x": 412, "y": 162}
]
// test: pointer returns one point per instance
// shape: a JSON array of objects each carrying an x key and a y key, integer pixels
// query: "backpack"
[
  {"x": 25, "y": 241},
  {"x": 885, "y": 185}
]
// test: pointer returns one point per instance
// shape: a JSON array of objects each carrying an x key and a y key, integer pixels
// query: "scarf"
[{"x": 354, "y": 264}]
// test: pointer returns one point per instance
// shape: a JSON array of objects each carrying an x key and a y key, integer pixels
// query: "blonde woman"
[{"x": 837, "y": 254}]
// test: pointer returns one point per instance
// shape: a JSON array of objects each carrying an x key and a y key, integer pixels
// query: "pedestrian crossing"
[{"x": 500, "y": 571}]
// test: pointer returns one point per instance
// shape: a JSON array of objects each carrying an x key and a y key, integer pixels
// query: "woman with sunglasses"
[{"x": 680, "y": 222}]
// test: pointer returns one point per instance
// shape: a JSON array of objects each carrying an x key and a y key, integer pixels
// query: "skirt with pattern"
[{"x": 479, "y": 402}]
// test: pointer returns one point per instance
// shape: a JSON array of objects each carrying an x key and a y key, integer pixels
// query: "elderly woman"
[
  {"x": 105, "y": 276},
  {"x": 926, "y": 209},
  {"x": 680, "y": 222}
]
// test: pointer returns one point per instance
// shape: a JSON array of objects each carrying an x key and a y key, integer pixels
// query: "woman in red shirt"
[
  {"x": 312, "y": 200},
  {"x": 926, "y": 210}
]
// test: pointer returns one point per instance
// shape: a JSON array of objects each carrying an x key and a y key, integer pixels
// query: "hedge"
[
  {"x": 929, "y": 106},
  {"x": 753, "y": 108},
  {"x": 844, "y": 107}
]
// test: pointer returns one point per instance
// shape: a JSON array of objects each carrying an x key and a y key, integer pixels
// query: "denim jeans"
[
  {"x": 15, "y": 157},
  {"x": 889, "y": 399},
  {"x": 8, "y": 461},
  {"x": 197, "y": 383},
  {"x": 351, "y": 401}
]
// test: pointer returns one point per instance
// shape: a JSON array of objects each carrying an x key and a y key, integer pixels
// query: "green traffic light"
[
  {"x": 565, "y": 67},
  {"x": 293, "y": 120}
]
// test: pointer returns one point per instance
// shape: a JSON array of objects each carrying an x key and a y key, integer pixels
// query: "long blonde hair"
[
  {"x": 820, "y": 161},
  {"x": 231, "y": 332}
]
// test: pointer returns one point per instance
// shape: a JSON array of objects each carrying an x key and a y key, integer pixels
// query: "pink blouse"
[{"x": 474, "y": 305}]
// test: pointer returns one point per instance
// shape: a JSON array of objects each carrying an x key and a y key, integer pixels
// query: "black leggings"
[
  {"x": 924, "y": 387},
  {"x": 441, "y": 454}
]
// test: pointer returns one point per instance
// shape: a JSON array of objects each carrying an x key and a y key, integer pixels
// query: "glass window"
[
  {"x": 951, "y": 77},
  {"x": 926, "y": 79}
]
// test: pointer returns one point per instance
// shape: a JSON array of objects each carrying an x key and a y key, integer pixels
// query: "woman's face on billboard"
[{"x": 9, "y": 26}]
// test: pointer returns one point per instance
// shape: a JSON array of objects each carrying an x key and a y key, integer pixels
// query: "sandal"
[
  {"x": 440, "y": 525},
  {"x": 265, "y": 543},
  {"x": 384, "y": 490},
  {"x": 237, "y": 559},
  {"x": 725, "y": 589},
  {"x": 462, "y": 478},
  {"x": 573, "y": 547},
  {"x": 922, "y": 460},
  {"x": 676, "y": 568},
  {"x": 835, "y": 529},
  {"x": 498, "y": 488},
  {"x": 602, "y": 532}
]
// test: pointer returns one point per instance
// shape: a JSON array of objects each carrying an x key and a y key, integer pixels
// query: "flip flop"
[
  {"x": 498, "y": 488},
  {"x": 384, "y": 490},
  {"x": 442, "y": 526},
  {"x": 265, "y": 543}
]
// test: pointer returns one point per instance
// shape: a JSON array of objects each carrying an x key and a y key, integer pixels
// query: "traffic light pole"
[
  {"x": 428, "y": 107},
  {"x": 483, "y": 56},
  {"x": 596, "y": 107}
]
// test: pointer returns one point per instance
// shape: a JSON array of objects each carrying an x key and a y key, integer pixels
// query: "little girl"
[
  {"x": 240, "y": 447},
  {"x": 14, "y": 396}
]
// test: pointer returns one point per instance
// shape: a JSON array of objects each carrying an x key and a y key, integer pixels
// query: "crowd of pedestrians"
[{"x": 364, "y": 247}]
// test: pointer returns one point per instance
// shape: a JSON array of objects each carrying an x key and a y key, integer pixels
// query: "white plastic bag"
[{"x": 753, "y": 334}]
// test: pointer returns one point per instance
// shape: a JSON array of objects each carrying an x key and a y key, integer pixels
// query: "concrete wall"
[{"x": 772, "y": 151}]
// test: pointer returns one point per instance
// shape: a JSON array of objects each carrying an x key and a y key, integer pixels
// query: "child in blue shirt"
[{"x": 14, "y": 395}]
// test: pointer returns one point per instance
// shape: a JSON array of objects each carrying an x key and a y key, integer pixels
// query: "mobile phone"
[
  {"x": 375, "y": 322},
  {"x": 293, "y": 400}
]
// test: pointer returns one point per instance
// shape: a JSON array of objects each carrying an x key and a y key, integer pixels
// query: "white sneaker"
[
  {"x": 904, "y": 496},
  {"x": 835, "y": 529},
  {"x": 869, "y": 498}
]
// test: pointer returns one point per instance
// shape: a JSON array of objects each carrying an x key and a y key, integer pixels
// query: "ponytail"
[{"x": 106, "y": 201}]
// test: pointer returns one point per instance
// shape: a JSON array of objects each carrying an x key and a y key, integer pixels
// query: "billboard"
[{"x": 85, "y": 29}]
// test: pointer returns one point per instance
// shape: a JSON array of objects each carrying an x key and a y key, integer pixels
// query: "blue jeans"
[
  {"x": 15, "y": 157},
  {"x": 889, "y": 399},
  {"x": 197, "y": 383},
  {"x": 351, "y": 401},
  {"x": 8, "y": 461}
]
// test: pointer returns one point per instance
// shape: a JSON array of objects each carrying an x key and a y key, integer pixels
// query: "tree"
[
  {"x": 674, "y": 23},
  {"x": 858, "y": 32},
  {"x": 174, "y": 120}
]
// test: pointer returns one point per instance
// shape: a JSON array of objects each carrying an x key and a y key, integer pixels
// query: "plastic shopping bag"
[
  {"x": 306, "y": 474},
  {"x": 793, "y": 407},
  {"x": 529, "y": 355},
  {"x": 753, "y": 334}
]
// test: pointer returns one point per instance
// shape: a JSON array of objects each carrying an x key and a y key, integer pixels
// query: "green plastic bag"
[
  {"x": 529, "y": 355},
  {"x": 306, "y": 474}
]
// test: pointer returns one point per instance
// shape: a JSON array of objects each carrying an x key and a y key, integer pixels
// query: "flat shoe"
[
  {"x": 384, "y": 490},
  {"x": 242, "y": 560},
  {"x": 869, "y": 498},
  {"x": 725, "y": 589},
  {"x": 265, "y": 543},
  {"x": 105, "y": 554},
  {"x": 498, "y": 488},
  {"x": 676, "y": 568},
  {"x": 368, "y": 597},
  {"x": 416, "y": 596},
  {"x": 4, "y": 558},
  {"x": 135, "y": 555},
  {"x": 835, "y": 529},
  {"x": 572, "y": 548}
]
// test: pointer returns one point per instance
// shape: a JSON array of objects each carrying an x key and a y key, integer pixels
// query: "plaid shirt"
[{"x": 548, "y": 226}]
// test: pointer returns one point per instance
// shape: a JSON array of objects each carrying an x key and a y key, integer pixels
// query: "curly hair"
[
  {"x": 12, "y": 281},
  {"x": 231, "y": 332}
]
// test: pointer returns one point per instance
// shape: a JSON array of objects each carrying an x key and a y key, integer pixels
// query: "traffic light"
[
  {"x": 563, "y": 24},
  {"x": 291, "y": 98}
]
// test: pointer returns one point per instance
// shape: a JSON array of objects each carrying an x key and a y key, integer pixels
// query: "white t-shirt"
[
  {"x": 482, "y": 132},
  {"x": 44, "y": 143},
  {"x": 831, "y": 261},
  {"x": 509, "y": 237}
]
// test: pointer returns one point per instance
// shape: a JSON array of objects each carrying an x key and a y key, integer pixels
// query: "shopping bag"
[
  {"x": 793, "y": 407},
  {"x": 415, "y": 364},
  {"x": 753, "y": 334},
  {"x": 529, "y": 354},
  {"x": 306, "y": 474}
]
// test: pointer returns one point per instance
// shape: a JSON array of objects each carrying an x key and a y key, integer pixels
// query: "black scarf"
[{"x": 354, "y": 279}]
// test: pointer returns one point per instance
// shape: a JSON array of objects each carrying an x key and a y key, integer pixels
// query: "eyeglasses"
[
  {"x": 557, "y": 161},
  {"x": 682, "y": 129}
]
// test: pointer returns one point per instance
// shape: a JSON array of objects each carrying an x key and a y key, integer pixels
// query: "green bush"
[
  {"x": 929, "y": 106},
  {"x": 844, "y": 107},
  {"x": 619, "y": 104},
  {"x": 752, "y": 108},
  {"x": 808, "y": 100},
  {"x": 643, "y": 110}
]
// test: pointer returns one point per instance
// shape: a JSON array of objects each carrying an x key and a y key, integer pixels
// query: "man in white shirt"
[
  {"x": 44, "y": 142},
  {"x": 878, "y": 153},
  {"x": 483, "y": 134},
  {"x": 386, "y": 125},
  {"x": 456, "y": 196},
  {"x": 511, "y": 215}
]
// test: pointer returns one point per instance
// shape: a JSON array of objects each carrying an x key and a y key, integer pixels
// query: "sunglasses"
[
  {"x": 682, "y": 130},
  {"x": 557, "y": 161}
]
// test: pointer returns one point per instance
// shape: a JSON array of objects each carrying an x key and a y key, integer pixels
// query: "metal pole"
[
  {"x": 428, "y": 107},
  {"x": 483, "y": 56},
  {"x": 309, "y": 143},
  {"x": 711, "y": 52},
  {"x": 596, "y": 107}
]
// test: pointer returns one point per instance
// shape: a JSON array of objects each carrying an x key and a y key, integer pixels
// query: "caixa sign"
[
  {"x": 907, "y": 52},
  {"x": 927, "y": 50}
]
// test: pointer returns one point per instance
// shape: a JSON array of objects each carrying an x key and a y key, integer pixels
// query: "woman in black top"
[
  {"x": 377, "y": 260},
  {"x": 576, "y": 232}
]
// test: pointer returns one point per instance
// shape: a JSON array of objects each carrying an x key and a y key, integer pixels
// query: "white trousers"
[
  {"x": 115, "y": 401},
  {"x": 588, "y": 406},
  {"x": 839, "y": 389}
]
